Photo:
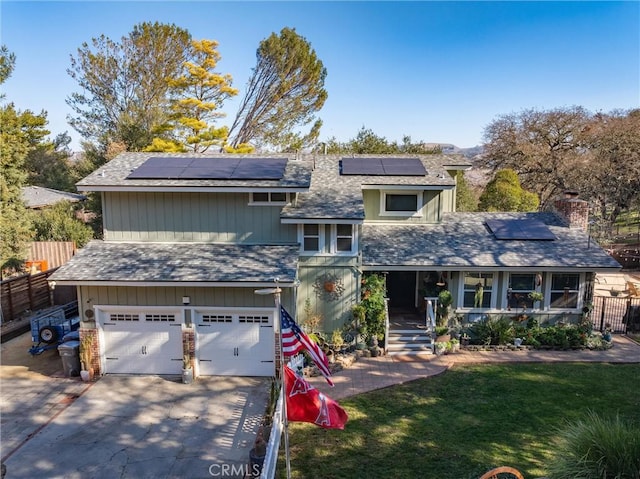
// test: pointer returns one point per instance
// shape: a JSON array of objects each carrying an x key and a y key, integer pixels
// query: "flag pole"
[{"x": 283, "y": 386}]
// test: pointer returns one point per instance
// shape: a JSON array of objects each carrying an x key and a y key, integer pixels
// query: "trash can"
[{"x": 70, "y": 354}]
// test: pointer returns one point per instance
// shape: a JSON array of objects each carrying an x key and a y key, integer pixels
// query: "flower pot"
[{"x": 256, "y": 461}]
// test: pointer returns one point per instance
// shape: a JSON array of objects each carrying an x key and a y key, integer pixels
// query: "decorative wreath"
[{"x": 328, "y": 287}]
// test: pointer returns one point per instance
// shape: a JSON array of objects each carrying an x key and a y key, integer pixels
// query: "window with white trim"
[
  {"x": 478, "y": 290},
  {"x": 268, "y": 198},
  {"x": 400, "y": 203},
  {"x": 344, "y": 238},
  {"x": 312, "y": 238},
  {"x": 565, "y": 289},
  {"x": 520, "y": 285},
  {"x": 336, "y": 239}
]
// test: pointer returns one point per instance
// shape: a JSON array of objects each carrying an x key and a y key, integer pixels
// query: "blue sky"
[{"x": 437, "y": 71}]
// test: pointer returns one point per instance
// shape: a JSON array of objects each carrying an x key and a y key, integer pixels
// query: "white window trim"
[
  {"x": 547, "y": 292},
  {"x": 333, "y": 245},
  {"x": 321, "y": 241},
  {"x": 493, "y": 301},
  {"x": 270, "y": 202},
  {"x": 328, "y": 236},
  {"x": 413, "y": 214},
  {"x": 504, "y": 303}
]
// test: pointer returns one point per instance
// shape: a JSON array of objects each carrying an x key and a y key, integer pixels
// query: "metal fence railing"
[{"x": 622, "y": 314}]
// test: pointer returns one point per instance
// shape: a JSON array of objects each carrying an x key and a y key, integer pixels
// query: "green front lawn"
[{"x": 463, "y": 422}]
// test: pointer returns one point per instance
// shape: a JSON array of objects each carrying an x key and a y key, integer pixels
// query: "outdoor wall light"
[{"x": 186, "y": 300}]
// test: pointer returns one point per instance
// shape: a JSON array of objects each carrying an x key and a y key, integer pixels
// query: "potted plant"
[
  {"x": 453, "y": 345},
  {"x": 442, "y": 334},
  {"x": 614, "y": 292},
  {"x": 257, "y": 454},
  {"x": 86, "y": 368},
  {"x": 537, "y": 297},
  {"x": 187, "y": 369},
  {"x": 440, "y": 347},
  {"x": 445, "y": 299}
]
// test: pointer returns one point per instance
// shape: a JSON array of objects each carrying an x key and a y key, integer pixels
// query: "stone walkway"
[{"x": 368, "y": 374}]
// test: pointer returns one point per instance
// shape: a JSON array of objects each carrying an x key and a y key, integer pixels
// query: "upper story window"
[
  {"x": 327, "y": 239},
  {"x": 268, "y": 198},
  {"x": 565, "y": 288},
  {"x": 312, "y": 238},
  {"x": 478, "y": 290},
  {"x": 400, "y": 203}
]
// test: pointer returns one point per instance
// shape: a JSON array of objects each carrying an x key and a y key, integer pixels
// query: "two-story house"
[{"x": 188, "y": 239}]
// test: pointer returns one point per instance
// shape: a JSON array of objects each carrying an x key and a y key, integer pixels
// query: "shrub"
[
  {"x": 493, "y": 331},
  {"x": 373, "y": 301},
  {"x": 597, "y": 448}
]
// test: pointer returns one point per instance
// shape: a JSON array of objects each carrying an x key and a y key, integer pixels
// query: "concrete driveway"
[{"x": 129, "y": 426}]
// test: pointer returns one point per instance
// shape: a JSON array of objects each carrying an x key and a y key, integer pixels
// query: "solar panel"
[
  {"x": 515, "y": 229},
  {"x": 382, "y": 166},
  {"x": 211, "y": 168},
  {"x": 403, "y": 167},
  {"x": 361, "y": 166}
]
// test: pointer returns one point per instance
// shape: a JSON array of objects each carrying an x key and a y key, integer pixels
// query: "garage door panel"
[
  {"x": 136, "y": 343},
  {"x": 235, "y": 343}
]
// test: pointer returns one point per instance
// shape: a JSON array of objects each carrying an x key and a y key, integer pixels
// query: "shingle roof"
[
  {"x": 38, "y": 197},
  {"x": 297, "y": 174},
  {"x": 185, "y": 262},
  {"x": 332, "y": 195},
  {"x": 463, "y": 241}
]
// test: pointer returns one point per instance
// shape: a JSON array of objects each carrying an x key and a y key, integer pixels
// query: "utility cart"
[{"x": 49, "y": 327}]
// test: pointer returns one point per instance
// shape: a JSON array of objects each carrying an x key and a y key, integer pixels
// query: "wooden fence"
[
  {"x": 25, "y": 293},
  {"x": 55, "y": 253}
]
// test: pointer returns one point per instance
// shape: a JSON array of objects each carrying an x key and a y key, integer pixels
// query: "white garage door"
[
  {"x": 235, "y": 342},
  {"x": 142, "y": 342}
]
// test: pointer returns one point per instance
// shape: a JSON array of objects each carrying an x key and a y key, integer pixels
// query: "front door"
[{"x": 401, "y": 289}]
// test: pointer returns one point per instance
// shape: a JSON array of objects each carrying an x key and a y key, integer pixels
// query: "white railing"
[
  {"x": 386, "y": 325},
  {"x": 273, "y": 446},
  {"x": 271, "y": 455}
]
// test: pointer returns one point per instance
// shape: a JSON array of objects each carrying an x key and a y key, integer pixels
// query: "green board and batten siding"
[
  {"x": 197, "y": 217},
  {"x": 334, "y": 313},
  {"x": 434, "y": 203},
  {"x": 89, "y": 296}
]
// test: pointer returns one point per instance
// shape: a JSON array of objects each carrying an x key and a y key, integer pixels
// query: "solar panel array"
[
  {"x": 382, "y": 167},
  {"x": 224, "y": 168},
  {"x": 513, "y": 229}
]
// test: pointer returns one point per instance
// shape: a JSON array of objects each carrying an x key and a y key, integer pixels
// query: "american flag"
[{"x": 294, "y": 341}]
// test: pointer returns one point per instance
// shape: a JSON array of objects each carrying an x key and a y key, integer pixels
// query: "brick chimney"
[{"x": 574, "y": 211}]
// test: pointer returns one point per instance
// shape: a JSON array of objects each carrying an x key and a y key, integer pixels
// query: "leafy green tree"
[
  {"x": 59, "y": 223},
  {"x": 124, "y": 85},
  {"x": 367, "y": 141},
  {"x": 199, "y": 94},
  {"x": 505, "y": 193},
  {"x": 542, "y": 146},
  {"x": 20, "y": 132},
  {"x": 7, "y": 64},
  {"x": 612, "y": 164},
  {"x": 465, "y": 198},
  {"x": 285, "y": 91},
  {"x": 48, "y": 165}
]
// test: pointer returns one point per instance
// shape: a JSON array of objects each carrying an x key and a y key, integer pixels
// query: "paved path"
[{"x": 367, "y": 374}]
